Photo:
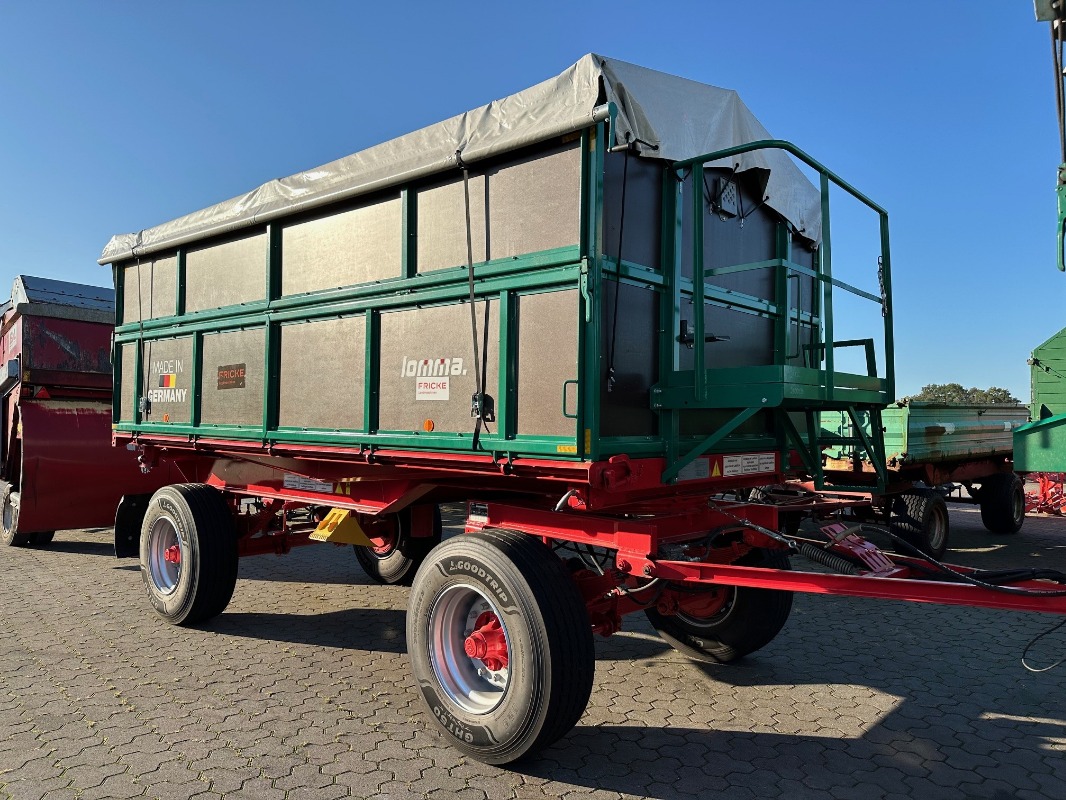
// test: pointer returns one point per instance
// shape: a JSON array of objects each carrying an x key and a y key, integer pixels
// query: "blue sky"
[{"x": 116, "y": 116}]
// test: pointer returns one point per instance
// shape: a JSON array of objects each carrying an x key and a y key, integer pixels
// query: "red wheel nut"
[
  {"x": 172, "y": 555},
  {"x": 487, "y": 642}
]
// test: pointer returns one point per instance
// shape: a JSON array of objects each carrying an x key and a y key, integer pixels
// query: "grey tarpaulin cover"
[{"x": 684, "y": 118}]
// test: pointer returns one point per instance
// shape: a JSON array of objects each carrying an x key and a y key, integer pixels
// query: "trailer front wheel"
[
  {"x": 396, "y": 553},
  {"x": 728, "y": 622},
  {"x": 500, "y": 645},
  {"x": 1002, "y": 499},
  {"x": 188, "y": 553}
]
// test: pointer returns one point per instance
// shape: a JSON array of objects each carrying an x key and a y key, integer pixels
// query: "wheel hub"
[
  {"x": 164, "y": 555},
  {"x": 487, "y": 642},
  {"x": 703, "y": 605},
  {"x": 469, "y": 649}
]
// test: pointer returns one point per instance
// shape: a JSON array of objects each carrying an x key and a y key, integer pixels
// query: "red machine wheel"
[
  {"x": 188, "y": 553},
  {"x": 9, "y": 518},
  {"x": 728, "y": 622},
  {"x": 396, "y": 555},
  {"x": 500, "y": 645}
]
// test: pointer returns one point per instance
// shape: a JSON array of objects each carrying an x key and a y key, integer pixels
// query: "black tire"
[
  {"x": 920, "y": 517},
  {"x": 195, "y": 519},
  {"x": 1002, "y": 500},
  {"x": 498, "y": 714},
  {"x": 398, "y": 558},
  {"x": 747, "y": 621},
  {"x": 42, "y": 538},
  {"x": 9, "y": 518}
]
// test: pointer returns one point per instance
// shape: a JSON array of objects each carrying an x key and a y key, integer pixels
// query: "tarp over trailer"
[{"x": 665, "y": 117}]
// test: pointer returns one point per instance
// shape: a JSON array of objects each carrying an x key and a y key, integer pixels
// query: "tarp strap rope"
[
  {"x": 618, "y": 275},
  {"x": 480, "y": 403}
]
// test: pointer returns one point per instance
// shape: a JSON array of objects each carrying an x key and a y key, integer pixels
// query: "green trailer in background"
[
  {"x": 1040, "y": 446},
  {"x": 932, "y": 449}
]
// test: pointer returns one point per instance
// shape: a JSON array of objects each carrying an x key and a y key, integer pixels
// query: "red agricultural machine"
[{"x": 57, "y": 466}]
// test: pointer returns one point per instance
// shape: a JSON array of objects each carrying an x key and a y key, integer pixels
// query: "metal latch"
[
  {"x": 483, "y": 407},
  {"x": 688, "y": 338}
]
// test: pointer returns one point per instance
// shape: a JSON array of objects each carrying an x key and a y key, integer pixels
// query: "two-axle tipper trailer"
[
  {"x": 931, "y": 450},
  {"x": 58, "y": 469},
  {"x": 597, "y": 312}
]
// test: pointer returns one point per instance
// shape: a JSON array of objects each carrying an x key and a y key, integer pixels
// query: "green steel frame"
[{"x": 784, "y": 390}]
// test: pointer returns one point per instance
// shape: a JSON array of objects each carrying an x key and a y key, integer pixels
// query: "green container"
[
  {"x": 926, "y": 433},
  {"x": 1047, "y": 377}
]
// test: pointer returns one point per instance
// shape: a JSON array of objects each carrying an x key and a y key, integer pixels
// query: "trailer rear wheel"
[
  {"x": 1002, "y": 499},
  {"x": 188, "y": 553},
  {"x": 500, "y": 644},
  {"x": 396, "y": 554},
  {"x": 728, "y": 622},
  {"x": 920, "y": 517},
  {"x": 9, "y": 518}
]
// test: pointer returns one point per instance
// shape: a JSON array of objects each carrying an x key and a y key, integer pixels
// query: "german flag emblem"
[{"x": 168, "y": 380}]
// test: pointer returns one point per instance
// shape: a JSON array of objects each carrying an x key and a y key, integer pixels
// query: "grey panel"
[
  {"x": 517, "y": 207},
  {"x": 127, "y": 360},
  {"x": 355, "y": 246},
  {"x": 322, "y": 375},
  {"x": 232, "y": 352},
  {"x": 226, "y": 274},
  {"x": 149, "y": 289},
  {"x": 643, "y": 208},
  {"x": 168, "y": 380},
  {"x": 442, "y": 225},
  {"x": 437, "y": 342},
  {"x": 626, "y": 408},
  {"x": 730, "y": 241},
  {"x": 547, "y": 356},
  {"x": 750, "y": 343}
]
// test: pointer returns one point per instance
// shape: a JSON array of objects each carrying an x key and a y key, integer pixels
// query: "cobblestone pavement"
[{"x": 300, "y": 690}]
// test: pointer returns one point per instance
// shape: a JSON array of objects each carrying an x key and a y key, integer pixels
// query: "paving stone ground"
[{"x": 300, "y": 690}]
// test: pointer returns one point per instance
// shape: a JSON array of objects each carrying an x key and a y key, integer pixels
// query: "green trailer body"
[
  {"x": 919, "y": 433},
  {"x": 938, "y": 432},
  {"x": 696, "y": 321},
  {"x": 935, "y": 443}
]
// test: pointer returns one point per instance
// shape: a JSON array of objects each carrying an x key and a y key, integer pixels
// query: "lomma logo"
[{"x": 431, "y": 367}]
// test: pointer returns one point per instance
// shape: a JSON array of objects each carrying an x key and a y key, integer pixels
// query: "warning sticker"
[
  {"x": 749, "y": 464},
  {"x": 696, "y": 471},
  {"x": 306, "y": 484},
  {"x": 431, "y": 389}
]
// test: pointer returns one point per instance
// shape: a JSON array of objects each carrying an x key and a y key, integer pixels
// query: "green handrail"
[{"x": 827, "y": 177}]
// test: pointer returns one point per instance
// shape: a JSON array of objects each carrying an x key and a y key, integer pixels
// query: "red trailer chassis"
[
  {"x": 617, "y": 505},
  {"x": 555, "y": 551}
]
